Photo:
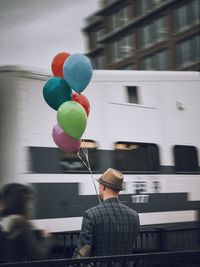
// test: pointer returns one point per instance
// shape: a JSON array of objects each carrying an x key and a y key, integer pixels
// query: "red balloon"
[
  {"x": 58, "y": 62},
  {"x": 81, "y": 99}
]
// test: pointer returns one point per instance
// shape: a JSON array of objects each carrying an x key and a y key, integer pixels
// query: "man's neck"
[{"x": 110, "y": 196}]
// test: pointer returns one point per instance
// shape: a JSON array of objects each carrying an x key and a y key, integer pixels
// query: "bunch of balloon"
[{"x": 62, "y": 92}]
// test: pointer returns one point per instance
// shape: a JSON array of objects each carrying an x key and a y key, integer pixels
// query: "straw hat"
[{"x": 112, "y": 179}]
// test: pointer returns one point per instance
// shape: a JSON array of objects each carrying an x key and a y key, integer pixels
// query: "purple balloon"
[{"x": 64, "y": 141}]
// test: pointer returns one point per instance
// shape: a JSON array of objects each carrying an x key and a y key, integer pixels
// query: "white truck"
[{"x": 144, "y": 123}]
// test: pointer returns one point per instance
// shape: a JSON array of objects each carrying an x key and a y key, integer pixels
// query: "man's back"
[
  {"x": 115, "y": 228},
  {"x": 111, "y": 227}
]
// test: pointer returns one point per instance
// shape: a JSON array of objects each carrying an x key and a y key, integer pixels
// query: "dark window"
[
  {"x": 53, "y": 160},
  {"x": 136, "y": 157},
  {"x": 186, "y": 159},
  {"x": 186, "y": 15},
  {"x": 158, "y": 61},
  {"x": 132, "y": 93},
  {"x": 89, "y": 157},
  {"x": 187, "y": 52}
]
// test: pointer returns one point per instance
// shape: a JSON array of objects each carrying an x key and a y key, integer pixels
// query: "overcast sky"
[{"x": 32, "y": 32}]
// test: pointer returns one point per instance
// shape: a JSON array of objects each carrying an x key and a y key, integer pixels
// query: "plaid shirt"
[{"x": 109, "y": 229}]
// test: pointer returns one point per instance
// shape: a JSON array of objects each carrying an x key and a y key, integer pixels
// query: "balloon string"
[
  {"x": 82, "y": 160},
  {"x": 91, "y": 176},
  {"x": 85, "y": 152}
]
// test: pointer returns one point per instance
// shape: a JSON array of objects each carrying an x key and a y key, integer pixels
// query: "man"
[{"x": 109, "y": 228}]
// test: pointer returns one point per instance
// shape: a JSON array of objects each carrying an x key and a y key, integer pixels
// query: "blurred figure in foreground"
[
  {"x": 111, "y": 227},
  {"x": 24, "y": 242},
  {"x": 2, "y": 234},
  {"x": 1, "y": 205}
]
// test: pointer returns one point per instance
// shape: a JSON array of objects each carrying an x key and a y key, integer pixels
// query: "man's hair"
[
  {"x": 114, "y": 190},
  {"x": 15, "y": 197}
]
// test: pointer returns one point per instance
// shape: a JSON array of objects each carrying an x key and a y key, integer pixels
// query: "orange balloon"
[
  {"x": 81, "y": 99},
  {"x": 57, "y": 64}
]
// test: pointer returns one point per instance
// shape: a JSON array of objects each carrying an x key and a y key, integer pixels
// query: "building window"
[
  {"x": 159, "y": 2},
  {"x": 153, "y": 33},
  {"x": 128, "y": 67},
  {"x": 107, "y": 2},
  {"x": 53, "y": 160},
  {"x": 187, "y": 15},
  {"x": 136, "y": 157},
  {"x": 95, "y": 36},
  {"x": 121, "y": 49},
  {"x": 158, "y": 61},
  {"x": 119, "y": 19},
  {"x": 132, "y": 94},
  {"x": 98, "y": 62},
  {"x": 147, "y": 5},
  {"x": 186, "y": 159},
  {"x": 188, "y": 52},
  {"x": 194, "y": 12}
]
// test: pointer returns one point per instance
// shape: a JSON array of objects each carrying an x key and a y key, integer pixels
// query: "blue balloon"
[
  {"x": 77, "y": 71},
  {"x": 56, "y": 91}
]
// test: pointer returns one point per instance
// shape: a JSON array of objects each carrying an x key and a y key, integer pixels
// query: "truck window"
[
  {"x": 89, "y": 158},
  {"x": 132, "y": 94},
  {"x": 53, "y": 160},
  {"x": 186, "y": 159},
  {"x": 136, "y": 157}
]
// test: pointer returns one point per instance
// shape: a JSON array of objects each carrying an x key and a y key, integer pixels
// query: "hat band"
[{"x": 109, "y": 184}]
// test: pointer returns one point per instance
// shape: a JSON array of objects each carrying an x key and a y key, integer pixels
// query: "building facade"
[{"x": 145, "y": 35}]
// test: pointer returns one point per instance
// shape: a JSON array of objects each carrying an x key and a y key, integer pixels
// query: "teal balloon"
[
  {"x": 56, "y": 91},
  {"x": 72, "y": 118},
  {"x": 77, "y": 70}
]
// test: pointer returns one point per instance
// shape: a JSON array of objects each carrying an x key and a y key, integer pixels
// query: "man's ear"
[{"x": 104, "y": 188}]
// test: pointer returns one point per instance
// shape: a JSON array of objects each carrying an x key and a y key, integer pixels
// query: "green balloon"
[{"x": 72, "y": 118}]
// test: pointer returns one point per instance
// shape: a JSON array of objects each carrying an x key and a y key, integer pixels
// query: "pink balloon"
[{"x": 64, "y": 141}]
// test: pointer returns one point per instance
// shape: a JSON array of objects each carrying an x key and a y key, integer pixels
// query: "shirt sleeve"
[
  {"x": 28, "y": 243},
  {"x": 85, "y": 241}
]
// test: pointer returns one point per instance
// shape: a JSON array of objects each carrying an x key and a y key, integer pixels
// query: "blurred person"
[
  {"x": 1, "y": 205},
  {"x": 2, "y": 234},
  {"x": 24, "y": 241},
  {"x": 111, "y": 227},
  {"x": 198, "y": 225}
]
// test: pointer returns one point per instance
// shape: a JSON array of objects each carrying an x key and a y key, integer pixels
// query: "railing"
[
  {"x": 149, "y": 240},
  {"x": 159, "y": 259}
]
